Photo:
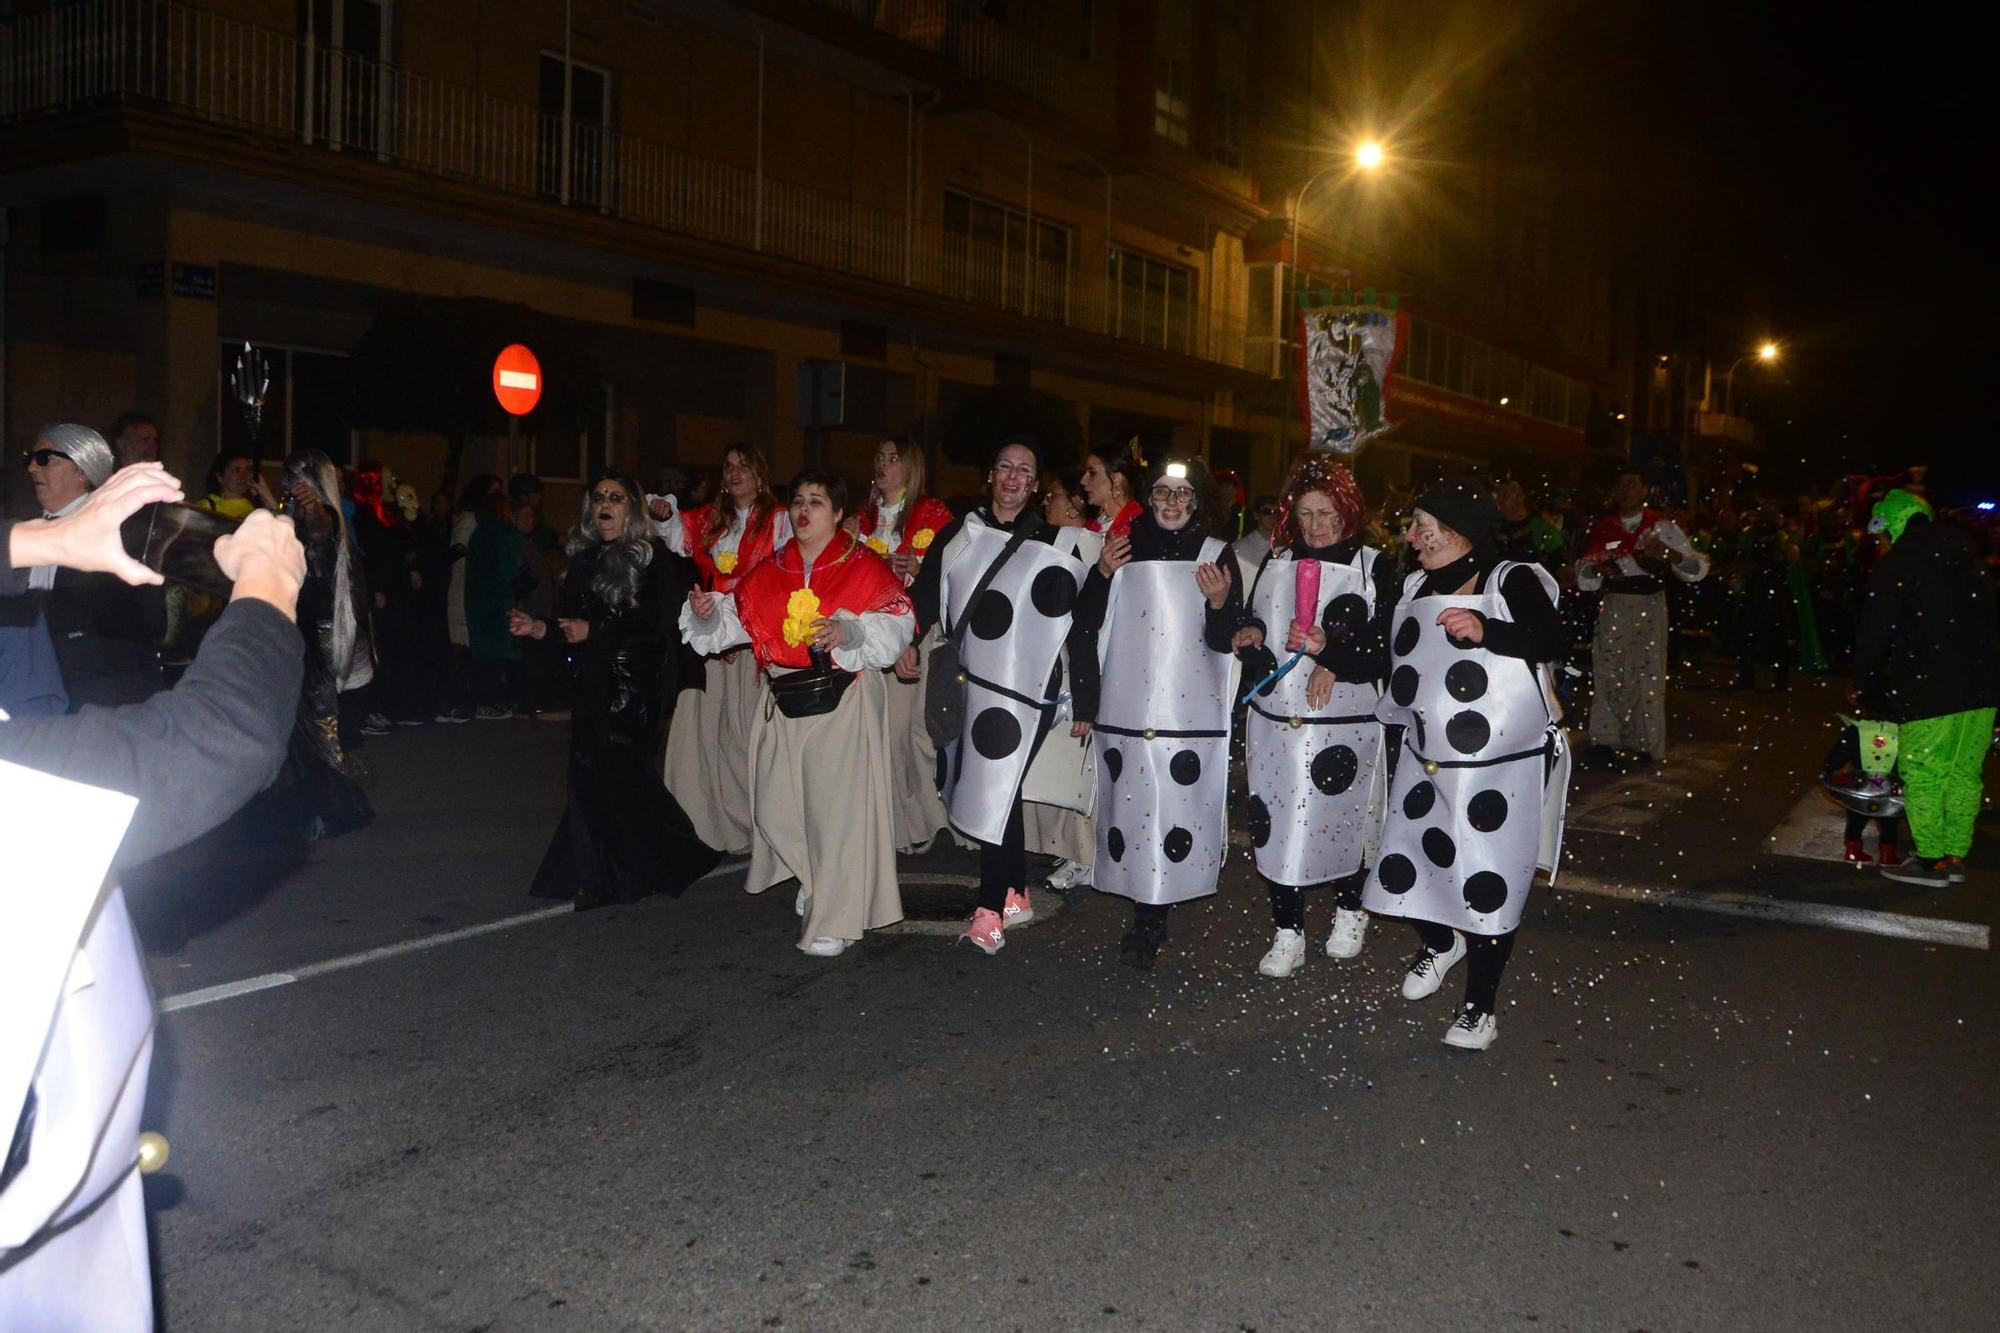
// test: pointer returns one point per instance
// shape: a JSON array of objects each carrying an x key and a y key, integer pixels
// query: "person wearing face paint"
[
  {"x": 1000, "y": 585},
  {"x": 1313, "y": 745},
  {"x": 1476, "y": 804},
  {"x": 1112, "y": 481},
  {"x": 1154, "y": 688},
  {"x": 899, "y": 522},
  {"x": 822, "y": 617},
  {"x": 708, "y": 745},
  {"x": 622, "y": 835}
]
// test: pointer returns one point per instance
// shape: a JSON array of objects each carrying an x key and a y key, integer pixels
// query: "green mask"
[{"x": 1878, "y": 742}]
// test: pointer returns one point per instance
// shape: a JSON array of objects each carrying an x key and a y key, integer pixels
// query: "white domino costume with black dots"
[{"x": 1477, "y": 801}]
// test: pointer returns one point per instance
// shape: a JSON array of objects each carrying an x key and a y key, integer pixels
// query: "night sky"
[{"x": 1857, "y": 139}]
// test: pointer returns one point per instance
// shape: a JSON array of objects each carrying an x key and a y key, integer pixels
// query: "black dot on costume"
[
  {"x": 1397, "y": 873},
  {"x": 1260, "y": 822},
  {"x": 1465, "y": 681},
  {"x": 1417, "y": 801},
  {"x": 1114, "y": 762},
  {"x": 1185, "y": 768},
  {"x": 993, "y": 616},
  {"x": 1053, "y": 592},
  {"x": 1468, "y": 732},
  {"x": 1407, "y": 635},
  {"x": 1114, "y": 842},
  {"x": 1345, "y": 616},
  {"x": 1333, "y": 769},
  {"x": 1439, "y": 848},
  {"x": 1487, "y": 811},
  {"x": 1486, "y": 892},
  {"x": 996, "y": 733},
  {"x": 1178, "y": 844},
  {"x": 1403, "y": 685}
]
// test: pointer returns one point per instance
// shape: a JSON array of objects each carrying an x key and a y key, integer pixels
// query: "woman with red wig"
[{"x": 1314, "y": 747}]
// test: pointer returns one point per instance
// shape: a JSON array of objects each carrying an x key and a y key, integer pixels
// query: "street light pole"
[{"x": 1767, "y": 353}]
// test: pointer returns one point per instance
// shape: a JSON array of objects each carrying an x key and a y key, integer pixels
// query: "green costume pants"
[{"x": 1941, "y": 760}]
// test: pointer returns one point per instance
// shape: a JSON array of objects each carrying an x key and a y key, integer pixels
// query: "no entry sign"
[{"x": 517, "y": 379}]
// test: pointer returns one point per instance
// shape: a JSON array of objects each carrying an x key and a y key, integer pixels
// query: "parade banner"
[{"x": 1349, "y": 350}]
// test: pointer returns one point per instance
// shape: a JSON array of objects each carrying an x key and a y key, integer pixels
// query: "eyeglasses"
[
  {"x": 40, "y": 457},
  {"x": 1173, "y": 495}
]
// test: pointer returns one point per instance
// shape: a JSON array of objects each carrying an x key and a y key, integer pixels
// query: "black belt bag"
[{"x": 810, "y": 693}]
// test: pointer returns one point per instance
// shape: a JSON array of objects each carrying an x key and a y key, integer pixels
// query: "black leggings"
[
  {"x": 1485, "y": 960},
  {"x": 1006, "y": 866},
  {"x": 1288, "y": 901},
  {"x": 1858, "y": 824}
]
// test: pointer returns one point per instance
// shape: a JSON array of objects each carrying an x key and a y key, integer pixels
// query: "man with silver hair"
[{"x": 106, "y": 632}]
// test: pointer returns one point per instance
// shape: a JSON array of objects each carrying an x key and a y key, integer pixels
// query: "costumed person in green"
[{"x": 1926, "y": 659}]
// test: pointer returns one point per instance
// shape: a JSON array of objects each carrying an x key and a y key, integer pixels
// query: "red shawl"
[
  {"x": 846, "y": 577},
  {"x": 1120, "y": 526},
  {"x": 753, "y": 550},
  {"x": 926, "y": 513},
  {"x": 1608, "y": 539}
]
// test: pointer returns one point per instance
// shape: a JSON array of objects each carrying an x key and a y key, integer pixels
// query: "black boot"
[{"x": 1141, "y": 943}]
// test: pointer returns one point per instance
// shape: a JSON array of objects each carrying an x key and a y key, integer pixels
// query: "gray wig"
[
  {"x": 82, "y": 446},
  {"x": 621, "y": 564}
]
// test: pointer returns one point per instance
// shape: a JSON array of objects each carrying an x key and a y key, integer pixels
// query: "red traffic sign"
[{"x": 517, "y": 379}]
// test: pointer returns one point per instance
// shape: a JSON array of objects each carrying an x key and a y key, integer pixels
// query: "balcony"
[
  {"x": 205, "y": 68},
  {"x": 1720, "y": 425}
]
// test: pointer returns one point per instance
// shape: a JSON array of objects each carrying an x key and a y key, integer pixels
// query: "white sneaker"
[
  {"x": 1288, "y": 950},
  {"x": 1426, "y": 974},
  {"x": 1068, "y": 875},
  {"x": 1472, "y": 1031},
  {"x": 1349, "y": 925},
  {"x": 824, "y": 946}
]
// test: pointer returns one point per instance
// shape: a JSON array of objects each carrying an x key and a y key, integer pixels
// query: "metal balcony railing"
[{"x": 217, "y": 69}]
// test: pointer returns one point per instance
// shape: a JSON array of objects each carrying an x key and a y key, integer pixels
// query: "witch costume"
[{"x": 622, "y": 835}]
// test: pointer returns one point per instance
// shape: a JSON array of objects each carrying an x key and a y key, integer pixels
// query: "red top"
[
  {"x": 926, "y": 514},
  {"x": 752, "y": 550},
  {"x": 1121, "y": 526},
  {"x": 1608, "y": 539},
  {"x": 846, "y": 577}
]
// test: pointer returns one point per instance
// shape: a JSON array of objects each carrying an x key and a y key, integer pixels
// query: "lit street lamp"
[
  {"x": 1369, "y": 156},
  {"x": 1766, "y": 352}
]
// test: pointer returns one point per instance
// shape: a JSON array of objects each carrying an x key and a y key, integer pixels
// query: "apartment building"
[{"x": 936, "y": 209}]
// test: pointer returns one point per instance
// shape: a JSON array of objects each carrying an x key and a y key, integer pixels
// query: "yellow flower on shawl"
[
  {"x": 922, "y": 541},
  {"x": 725, "y": 562},
  {"x": 801, "y": 614},
  {"x": 878, "y": 546}
]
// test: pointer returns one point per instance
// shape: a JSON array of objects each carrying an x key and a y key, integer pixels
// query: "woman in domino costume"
[
  {"x": 1314, "y": 747},
  {"x": 1476, "y": 805},
  {"x": 708, "y": 743},
  {"x": 1154, "y": 684},
  {"x": 899, "y": 522},
  {"x": 1002, "y": 583},
  {"x": 822, "y": 617}
]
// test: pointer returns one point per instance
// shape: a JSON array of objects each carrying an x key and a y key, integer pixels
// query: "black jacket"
[
  {"x": 106, "y": 635},
  {"x": 633, "y": 661},
  {"x": 1926, "y": 642}
]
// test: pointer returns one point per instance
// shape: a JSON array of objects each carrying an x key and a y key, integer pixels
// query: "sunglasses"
[
  {"x": 40, "y": 457},
  {"x": 608, "y": 497}
]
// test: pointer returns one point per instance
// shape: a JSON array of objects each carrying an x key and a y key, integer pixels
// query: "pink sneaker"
[
  {"x": 1018, "y": 911},
  {"x": 986, "y": 933}
]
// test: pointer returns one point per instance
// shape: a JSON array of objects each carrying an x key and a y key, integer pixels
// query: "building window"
[
  {"x": 590, "y": 152},
  {"x": 1151, "y": 301},
  {"x": 1228, "y": 148},
  {"x": 988, "y": 258},
  {"x": 1170, "y": 100}
]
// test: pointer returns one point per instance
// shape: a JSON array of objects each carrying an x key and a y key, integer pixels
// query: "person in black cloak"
[
  {"x": 330, "y": 617},
  {"x": 622, "y": 836}
]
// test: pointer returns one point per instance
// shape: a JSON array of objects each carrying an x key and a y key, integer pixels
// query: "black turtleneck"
[
  {"x": 1150, "y": 541},
  {"x": 1535, "y": 633}
]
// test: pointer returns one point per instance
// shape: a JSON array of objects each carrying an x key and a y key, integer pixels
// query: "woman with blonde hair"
[{"x": 708, "y": 744}]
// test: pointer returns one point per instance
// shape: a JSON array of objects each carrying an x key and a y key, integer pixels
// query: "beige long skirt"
[
  {"x": 820, "y": 811},
  {"x": 1054, "y": 831},
  {"x": 920, "y": 810},
  {"x": 708, "y": 752}
]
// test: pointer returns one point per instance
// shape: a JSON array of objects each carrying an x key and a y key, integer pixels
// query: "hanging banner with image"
[{"x": 1349, "y": 349}]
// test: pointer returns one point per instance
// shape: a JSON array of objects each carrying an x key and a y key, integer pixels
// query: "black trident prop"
[{"x": 250, "y": 382}]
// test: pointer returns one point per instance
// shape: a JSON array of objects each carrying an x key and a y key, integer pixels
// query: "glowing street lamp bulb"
[
  {"x": 1503, "y": 400},
  {"x": 1768, "y": 352},
  {"x": 1369, "y": 155}
]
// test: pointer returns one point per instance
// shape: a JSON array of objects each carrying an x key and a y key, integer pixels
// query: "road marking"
[
  {"x": 1895, "y": 925},
  {"x": 229, "y": 990}
]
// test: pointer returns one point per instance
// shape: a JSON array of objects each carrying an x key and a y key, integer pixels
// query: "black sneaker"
[
  {"x": 1920, "y": 870},
  {"x": 1141, "y": 944}
]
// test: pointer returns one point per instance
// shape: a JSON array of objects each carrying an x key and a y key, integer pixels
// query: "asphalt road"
[{"x": 664, "y": 1116}]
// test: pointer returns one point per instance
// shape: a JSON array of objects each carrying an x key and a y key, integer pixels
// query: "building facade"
[{"x": 1090, "y": 200}]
